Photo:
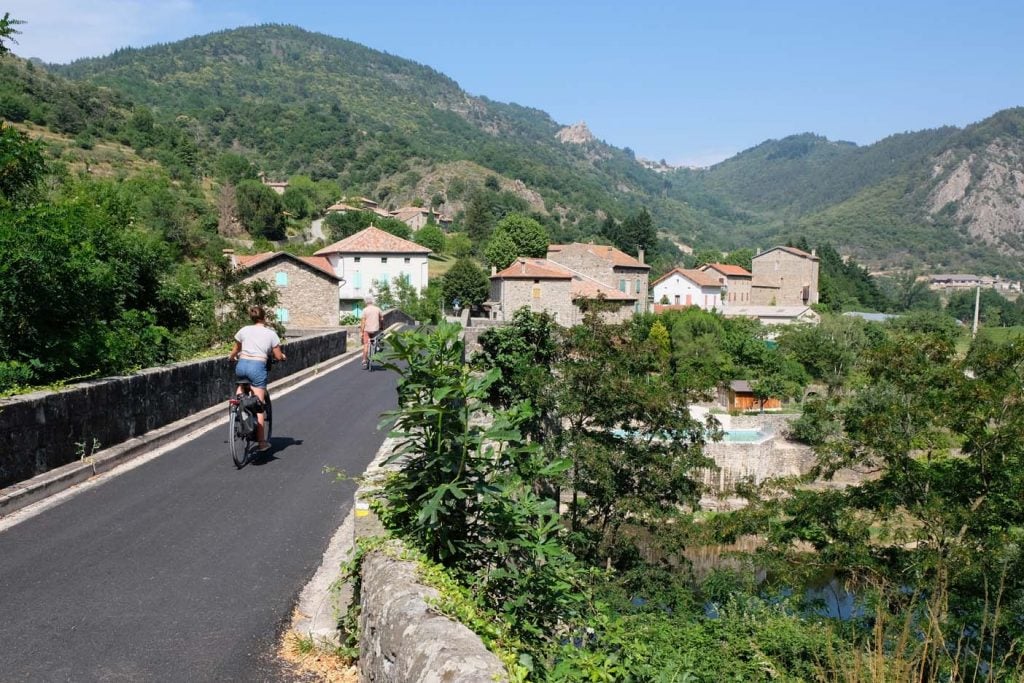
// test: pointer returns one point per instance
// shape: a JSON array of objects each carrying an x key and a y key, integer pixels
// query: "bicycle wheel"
[
  {"x": 238, "y": 444},
  {"x": 268, "y": 421}
]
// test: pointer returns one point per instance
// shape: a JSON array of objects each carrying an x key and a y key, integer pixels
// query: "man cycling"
[{"x": 370, "y": 325}]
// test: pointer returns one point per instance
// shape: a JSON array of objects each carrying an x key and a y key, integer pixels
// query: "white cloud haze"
[{"x": 59, "y": 31}]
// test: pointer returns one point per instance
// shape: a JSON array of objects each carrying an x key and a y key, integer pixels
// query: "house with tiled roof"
[
  {"x": 735, "y": 282},
  {"x": 688, "y": 287},
  {"x": 611, "y": 267},
  {"x": 542, "y": 284},
  {"x": 307, "y": 286},
  {"x": 371, "y": 256},
  {"x": 784, "y": 276},
  {"x": 413, "y": 216}
]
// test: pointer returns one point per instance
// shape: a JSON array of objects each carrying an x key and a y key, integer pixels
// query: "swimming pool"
[{"x": 744, "y": 435}]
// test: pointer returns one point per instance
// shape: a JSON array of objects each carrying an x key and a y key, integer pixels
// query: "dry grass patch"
[{"x": 314, "y": 662}]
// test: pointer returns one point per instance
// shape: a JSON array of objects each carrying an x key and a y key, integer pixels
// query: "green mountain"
[{"x": 296, "y": 102}]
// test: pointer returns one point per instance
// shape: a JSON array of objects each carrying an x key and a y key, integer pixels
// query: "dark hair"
[{"x": 257, "y": 314}]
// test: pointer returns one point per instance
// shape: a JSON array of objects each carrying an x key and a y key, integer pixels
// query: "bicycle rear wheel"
[
  {"x": 268, "y": 421},
  {"x": 237, "y": 442}
]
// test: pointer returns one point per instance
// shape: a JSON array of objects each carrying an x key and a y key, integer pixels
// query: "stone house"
[
  {"x": 307, "y": 286},
  {"x": 735, "y": 281},
  {"x": 784, "y": 276},
  {"x": 608, "y": 266},
  {"x": 544, "y": 285},
  {"x": 365, "y": 259},
  {"x": 413, "y": 216},
  {"x": 682, "y": 287}
]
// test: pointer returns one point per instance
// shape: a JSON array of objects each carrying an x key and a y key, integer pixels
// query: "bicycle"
[
  {"x": 242, "y": 420},
  {"x": 375, "y": 342}
]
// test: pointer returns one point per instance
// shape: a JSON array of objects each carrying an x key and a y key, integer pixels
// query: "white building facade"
[
  {"x": 682, "y": 287},
  {"x": 370, "y": 257}
]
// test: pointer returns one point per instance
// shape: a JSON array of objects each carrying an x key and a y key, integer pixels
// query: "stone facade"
[
  {"x": 735, "y": 279},
  {"x": 784, "y": 276},
  {"x": 607, "y": 265},
  {"x": 306, "y": 297},
  {"x": 538, "y": 294}
]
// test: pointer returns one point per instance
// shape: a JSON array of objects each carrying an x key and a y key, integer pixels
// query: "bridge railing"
[{"x": 47, "y": 429}]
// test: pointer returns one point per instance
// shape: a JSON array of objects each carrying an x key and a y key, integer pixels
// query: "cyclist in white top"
[
  {"x": 369, "y": 326},
  {"x": 254, "y": 346}
]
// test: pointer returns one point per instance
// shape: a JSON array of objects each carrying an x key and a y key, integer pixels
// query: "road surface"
[{"x": 184, "y": 568}]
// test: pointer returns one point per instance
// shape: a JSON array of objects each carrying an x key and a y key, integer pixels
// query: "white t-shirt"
[{"x": 257, "y": 341}]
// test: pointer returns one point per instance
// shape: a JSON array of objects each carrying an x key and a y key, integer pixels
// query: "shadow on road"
[{"x": 278, "y": 443}]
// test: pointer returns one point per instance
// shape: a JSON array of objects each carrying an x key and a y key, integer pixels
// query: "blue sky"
[{"x": 690, "y": 82}]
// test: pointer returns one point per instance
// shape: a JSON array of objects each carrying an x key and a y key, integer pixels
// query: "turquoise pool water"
[
  {"x": 729, "y": 435},
  {"x": 743, "y": 435}
]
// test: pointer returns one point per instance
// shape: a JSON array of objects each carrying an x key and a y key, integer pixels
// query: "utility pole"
[{"x": 977, "y": 300}]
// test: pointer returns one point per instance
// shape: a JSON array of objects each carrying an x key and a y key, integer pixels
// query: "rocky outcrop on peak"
[
  {"x": 984, "y": 192},
  {"x": 577, "y": 134}
]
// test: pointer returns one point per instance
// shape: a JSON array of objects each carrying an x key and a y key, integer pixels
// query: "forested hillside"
[{"x": 294, "y": 102}]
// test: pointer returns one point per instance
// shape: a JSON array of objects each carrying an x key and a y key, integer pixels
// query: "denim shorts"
[{"x": 253, "y": 370}]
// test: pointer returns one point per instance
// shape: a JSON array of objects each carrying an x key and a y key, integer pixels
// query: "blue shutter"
[
  {"x": 281, "y": 278},
  {"x": 357, "y": 280},
  {"x": 282, "y": 315}
]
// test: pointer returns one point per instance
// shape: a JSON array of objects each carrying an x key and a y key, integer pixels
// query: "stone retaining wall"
[
  {"x": 44, "y": 430},
  {"x": 401, "y": 638}
]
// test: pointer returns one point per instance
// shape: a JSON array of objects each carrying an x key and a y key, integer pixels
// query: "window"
[
  {"x": 357, "y": 259},
  {"x": 357, "y": 280},
  {"x": 408, "y": 260},
  {"x": 622, "y": 285},
  {"x": 281, "y": 279},
  {"x": 383, "y": 259},
  {"x": 282, "y": 315},
  {"x": 536, "y": 292},
  {"x": 637, "y": 283}
]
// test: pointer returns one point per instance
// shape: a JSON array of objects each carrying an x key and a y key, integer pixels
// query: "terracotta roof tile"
[
  {"x": 591, "y": 289},
  {"x": 373, "y": 240},
  {"x": 604, "y": 251},
  {"x": 698, "y": 277},
  {"x": 534, "y": 268},
  {"x": 250, "y": 261},
  {"x": 727, "y": 269}
]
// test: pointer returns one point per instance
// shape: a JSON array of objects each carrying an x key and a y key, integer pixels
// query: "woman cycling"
[{"x": 254, "y": 346}]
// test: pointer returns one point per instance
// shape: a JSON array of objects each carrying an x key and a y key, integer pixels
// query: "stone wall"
[
  {"x": 44, "y": 430},
  {"x": 553, "y": 296},
  {"x": 401, "y": 638},
  {"x": 787, "y": 271},
  {"x": 310, "y": 297}
]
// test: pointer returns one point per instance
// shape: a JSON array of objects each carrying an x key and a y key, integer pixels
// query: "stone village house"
[
  {"x": 784, "y": 276},
  {"x": 734, "y": 280},
  {"x": 571, "y": 276},
  {"x": 371, "y": 256},
  {"x": 307, "y": 286},
  {"x": 687, "y": 287}
]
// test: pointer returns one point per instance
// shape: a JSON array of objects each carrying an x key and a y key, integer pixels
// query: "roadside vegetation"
[{"x": 555, "y": 481}]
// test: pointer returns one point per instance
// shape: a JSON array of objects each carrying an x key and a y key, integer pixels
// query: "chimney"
[
  {"x": 522, "y": 266},
  {"x": 640, "y": 255},
  {"x": 494, "y": 270},
  {"x": 758, "y": 251},
  {"x": 229, "y": 254},
  {"x": 814, "y": 252}
]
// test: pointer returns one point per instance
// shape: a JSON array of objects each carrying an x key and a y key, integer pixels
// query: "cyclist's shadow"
[{"x": 278, "y": 444}]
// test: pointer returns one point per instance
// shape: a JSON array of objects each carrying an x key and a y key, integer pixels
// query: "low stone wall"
[
  {"x": 401, "y": 638},
  {"x": 44, "y": 430}
]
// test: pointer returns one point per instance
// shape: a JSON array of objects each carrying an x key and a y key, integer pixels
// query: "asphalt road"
[{"x": 184, "y": 568}]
